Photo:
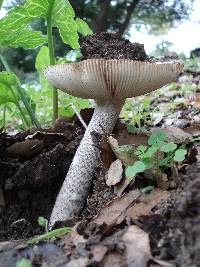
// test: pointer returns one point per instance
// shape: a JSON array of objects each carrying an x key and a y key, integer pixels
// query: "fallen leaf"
[
  {"x": 113, "y": 259},
  {"x": 120, "y": 187},
  {"x": 25, "y": 148},
  {"x": 125, "y": 157},
  {"x": 80, "y": 262},
  {"x": 175, "y": 134},
  {"x": 71, "y": 240},
  {"x": 138, "y": 252},
  {"x": 99, "y": 252},
  {"x": 146, "y": 203},
  {"x": 114, "y": 212},
  {"x": 114, "y": 174},
  {"x": 194, "y": 130}
]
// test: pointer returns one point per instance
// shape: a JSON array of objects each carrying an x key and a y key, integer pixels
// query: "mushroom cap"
[{"x": 112, "y": 79}]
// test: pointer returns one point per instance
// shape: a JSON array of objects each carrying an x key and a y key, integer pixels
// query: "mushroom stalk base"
[{"x": 75, "y": 189}]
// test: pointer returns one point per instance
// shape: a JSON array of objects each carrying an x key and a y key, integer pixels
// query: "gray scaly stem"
[{"x": 75, "y": 189}]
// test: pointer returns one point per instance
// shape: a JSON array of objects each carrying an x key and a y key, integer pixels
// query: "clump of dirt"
[{"x": 111, "y": 46}]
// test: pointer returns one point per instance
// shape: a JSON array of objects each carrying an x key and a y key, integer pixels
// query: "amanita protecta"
[{"x": 109, "y": 83}]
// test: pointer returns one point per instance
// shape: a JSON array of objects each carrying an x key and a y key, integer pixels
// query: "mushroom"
[{"x": 109, "y": 83}]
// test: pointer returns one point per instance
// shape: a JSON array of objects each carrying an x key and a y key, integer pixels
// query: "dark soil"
[
  {"x": 111, "y": 46},
  {"x": 31, "y": 174}
]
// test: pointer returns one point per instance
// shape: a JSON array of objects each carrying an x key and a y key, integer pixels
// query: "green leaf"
[
  {"x": 147, "y": 189},
  {"x": 42, "y": 61},
  {"x": 151, "y": 151},
  {"x": 5, "y": 95},
  {"x": 132, "y": 170},
  {"x": 55, "y": 233},
  {"x": 24, "y": 263},
  {"x": 83, "y": 27},
  {"x": 63, "y": 19},
  {"x": 15, "y": 27},
  {"x": 168, "y": 147},
  {"x": 180, "y": 155},
  {"x": 131, "y": 129},
  {"x": 8, "y": 78},
  {"x": 42, "y": 221},
  {"x": 157, "y": 138}
]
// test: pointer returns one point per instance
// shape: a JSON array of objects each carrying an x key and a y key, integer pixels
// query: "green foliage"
[
  {"x": 15, "y": 28},
  {"x": 42, "y": 222},
  {"x": 52, "y": 234},
  {"x": 24, "y": 263},
  {"x": 134, "y": 169},
  {"x": 158, "y": 154},
  {"x": 16, "y": 31}
]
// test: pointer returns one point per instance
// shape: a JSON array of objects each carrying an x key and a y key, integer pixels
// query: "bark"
[
  {"x": 74, "y": 192},
  {"x": 129, "y": 11},
  {"x": 100, "y": 23}
]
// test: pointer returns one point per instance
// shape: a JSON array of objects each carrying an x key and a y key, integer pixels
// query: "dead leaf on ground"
[
  {"x": 2, "y": 200},
  {"x": 175, "y": 134},
  {"x": 125, "y": 158},
  {"x": 120, "y": 187},
  {"x": 80, "y": 262},
  {"x": 25, "y": 148},
  {"x": 113, "y": 259},
  {"x": 114, "y": 174},
  {"x": 138, "y": 252},
  {"x": 194, "y": 130},
  {"x": 114, "y": 213},
  {"x": 99, "y": 253},
  {"x": 146, "y": 203},
  {"x": 71, "y": 240}
]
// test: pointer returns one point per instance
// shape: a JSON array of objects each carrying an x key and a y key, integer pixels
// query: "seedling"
[
  {"x": 49, "y": 234},
  {"x": 24, "y": 263},
  {"x": 158, "y": 154}
]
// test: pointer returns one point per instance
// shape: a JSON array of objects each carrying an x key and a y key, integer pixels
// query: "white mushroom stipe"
[
  {"x": 75, "y": 188},
  {"x": 109, "y": 82}
]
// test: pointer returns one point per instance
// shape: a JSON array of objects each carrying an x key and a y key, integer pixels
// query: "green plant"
[
  {"x": 49, "y": 234},
  {"x": 16, "y": 31},
  {"x": 24, "y": 263},
  {"x": 158, "y": 154}
]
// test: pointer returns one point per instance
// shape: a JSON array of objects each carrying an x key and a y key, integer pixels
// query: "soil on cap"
[{"x": 111, "y": 46}]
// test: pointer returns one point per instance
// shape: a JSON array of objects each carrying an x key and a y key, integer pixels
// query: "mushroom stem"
[{"x": 75, "y": 189}]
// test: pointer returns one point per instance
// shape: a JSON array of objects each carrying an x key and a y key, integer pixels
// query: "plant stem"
[
  {"x": 22, "y": 95},
  {"x": 1, "y": 3},
  {"x": 52, "y": 57},
  {"x": 4, "y": 115}
]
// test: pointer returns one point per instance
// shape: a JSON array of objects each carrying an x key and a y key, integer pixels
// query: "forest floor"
[{"x": 120, "y": 225}]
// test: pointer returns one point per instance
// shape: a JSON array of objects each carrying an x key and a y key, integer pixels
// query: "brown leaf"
[
  {"x": 175, "y": 134},
  {"x": 114, "y": 212},
  {"x": 114, "y": 174},
  {"x": 146, "y": 203},
  {"x": 25, "y": 148},
  {"x": 71, "y": 240},
  {"x": 99, "y": 252},
  {"x": 80, "y": 262},
  {"x": 125, "y": 158},
  {"x": 114, "y": 259},
  {"x": 106, "y": 153},
  {"x": 194, "y": 130},
  {"x": 138, "y": 252}
]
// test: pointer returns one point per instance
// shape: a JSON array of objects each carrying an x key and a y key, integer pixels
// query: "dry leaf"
[
  {"x": 138, "y": 251},
  {"x": 175, "y": 134},
  {"x": 114, "y": 259},
  {"x": 125, "y": 158},
  {"x": 99, "y": 252},
  {"x": 80, "y": 262},
  {"x": 114, "y": 174},
  {"x": 146, "y": 203},
  {"x": 114, "y": 213},
  {"x": 119, "y": 188}
]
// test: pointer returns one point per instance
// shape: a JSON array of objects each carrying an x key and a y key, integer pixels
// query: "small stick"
[{"x": 78, "y": 115}]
